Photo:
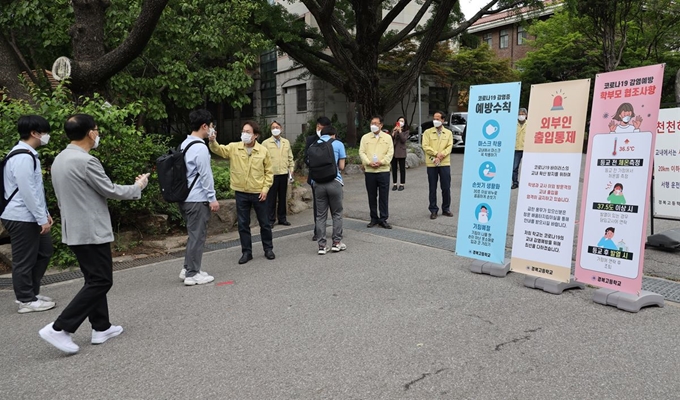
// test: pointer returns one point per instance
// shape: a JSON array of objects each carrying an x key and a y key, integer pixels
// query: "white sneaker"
[
  {"x": 198, "y": 279},
  {"x": 61, "y": 340},
  {"x": 183, "y": 273},
  {"x": 99, "y": 337},
  {"x": 338, "y": 247},
  {"x": 323, "y": 250},
  {"x": 43, "y": 298},
  {"x": 33, "y": 306}
]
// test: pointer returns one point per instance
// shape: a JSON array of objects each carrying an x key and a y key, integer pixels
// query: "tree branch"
[
  {"x": 103, "y": 68},
  {"x": 396, "y": 10},
  {"x": 404, "y": 33}
]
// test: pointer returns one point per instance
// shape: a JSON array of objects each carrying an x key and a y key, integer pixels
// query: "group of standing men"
[{"x": 260, "y": 174}]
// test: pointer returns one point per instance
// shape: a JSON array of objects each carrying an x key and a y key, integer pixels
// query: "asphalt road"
[{"x": 385, "y": 319}]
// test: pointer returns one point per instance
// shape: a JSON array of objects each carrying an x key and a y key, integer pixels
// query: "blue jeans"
[
  {"x": 442, "y": 174},
  {"x": 515, "y": 166}
]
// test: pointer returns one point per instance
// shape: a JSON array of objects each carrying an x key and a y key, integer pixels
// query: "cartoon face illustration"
[
  {"x": 606, "y": 242},
  {"x": 609, "y": 233},
  {"x": 483, "y": 215},
  {"x": 616, "y": 195},
  {"x": 625, "y": 120}
]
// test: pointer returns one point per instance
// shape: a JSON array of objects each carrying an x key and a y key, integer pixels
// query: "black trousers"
[
  {"x": 244, "y": 203},
  {"x": 278, "y": 191},
  {"x": 401, "y": 163},
  {"x": 31, "y": 253},
  {"x": 378, "y": 189},
  {"x": 90, "y": 302}
]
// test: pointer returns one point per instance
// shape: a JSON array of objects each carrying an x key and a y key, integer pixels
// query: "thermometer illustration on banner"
[{"x": 615, "y": 140}]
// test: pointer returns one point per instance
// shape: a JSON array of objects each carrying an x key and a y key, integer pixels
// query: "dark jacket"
[{"x": 399, "y": 141}]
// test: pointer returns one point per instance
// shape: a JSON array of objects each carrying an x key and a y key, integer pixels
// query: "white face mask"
[
  {"x": 246, "y": 137},
  {"x": 626, "y": 119},
  {"x": 276, "y": 132},
  {"x": 96, "y": 142},
  {"x": 375, "y": 128},
  {"x": 318, "y": 133},
  {"x": 44, "y": 139},
  {"x": 522, "y": 118},
  {"x": 211, "y": 132},
  {"x": 401, "y": 123},
  {"x": 437, "y": 123}
]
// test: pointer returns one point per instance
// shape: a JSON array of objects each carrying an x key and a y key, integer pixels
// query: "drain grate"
[{"x": 668, "y": 289}]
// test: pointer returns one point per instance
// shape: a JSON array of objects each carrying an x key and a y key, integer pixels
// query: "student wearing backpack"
[
  {"x": 25, "y": 215},
  {"x": 251, "y": 177},
  {"x": 376, "y": 151},
  {"x": 282, "y": 167},
  {"x": 82, "y": 190},
  {"x": 328, "y": 191},
  {"x": 202, "y": 197},
  {"x": 321, "y": 122}
]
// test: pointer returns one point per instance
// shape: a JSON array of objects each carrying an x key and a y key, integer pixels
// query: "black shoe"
[
  {"x": 514, "y": 186},
  {"x": 371, "y": 224},
  {"x": 269, "y": 254},
  {"x": 433, "y": 215},
  {"x": 394, "y": 187},
  {"x": 286, "y": 223},
  {"x": 448, "y": 213},
  {"x": 245, "y": 258},
  {"x": 385, "y": 225},
  {"x": 401, "y": 187}
]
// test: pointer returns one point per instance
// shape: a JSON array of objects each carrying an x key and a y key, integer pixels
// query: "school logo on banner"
[
  {"x": 548, "y": 187},
  {"x": 616, "y": 187},
  {"x": 487, "y": 169}
]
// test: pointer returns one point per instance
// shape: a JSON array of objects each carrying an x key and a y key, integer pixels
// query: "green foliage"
[
  {"x": 222, "y": 177},
  {"x": 125, "y": 152}
]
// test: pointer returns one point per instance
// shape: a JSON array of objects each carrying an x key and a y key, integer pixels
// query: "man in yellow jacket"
[
  {"x": 437, "y": 145},
  {"x": 283, "y": 165},
  {"x": 376, "y": 151},
  {"x": 251, "y": 178},
  {"x": 519, "y": 146}
]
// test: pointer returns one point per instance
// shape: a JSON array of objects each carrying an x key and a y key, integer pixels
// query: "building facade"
[{"x": 506, "y": 33}]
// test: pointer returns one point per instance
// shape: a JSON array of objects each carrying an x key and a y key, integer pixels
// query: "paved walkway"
[{"x": 397, "y": 315}]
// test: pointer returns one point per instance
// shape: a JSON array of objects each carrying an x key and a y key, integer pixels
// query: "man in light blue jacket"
[
  {"x": 26, "y": 217},
  {"x": 82, "y": 189}
]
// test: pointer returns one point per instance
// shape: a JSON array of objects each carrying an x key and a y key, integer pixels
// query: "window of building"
[
  {"x": 301, "y": 92},
  {"x": 521, "y": 35},
  {"x": 247, "y": 111},
  {"x": 504, "y": 39},
  {"x": 268, "y": 82},
  {"x": 488, "y": 39},
  {"x": 437, "y": 99}
]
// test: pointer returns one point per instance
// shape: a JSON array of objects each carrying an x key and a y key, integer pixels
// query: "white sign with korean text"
[
  {"x": 613, "y": 238},
  {"x": 666, "y": 202}
]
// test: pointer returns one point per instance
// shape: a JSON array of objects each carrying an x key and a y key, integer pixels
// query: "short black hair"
[
  {"x": 32, "y": 123},
  {"x": 323, "y": 121},
  {"x": 440, "y": 113},
  {"x": 199, "y": 117},
  {"x": 610, "y": 229},
  {"x": 380, "y": 118},
  {"x": 484, "y": 207},
  {"x": 77, "y": 126},
  {"x": 329, "y": 130},
  {"x": 254, "y": 125},
  {"x": 275, "y": 122}
]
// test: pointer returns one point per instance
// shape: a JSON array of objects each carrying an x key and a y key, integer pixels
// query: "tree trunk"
[
  {"x": 92, "y": 65},
  {"x": 10, "y": 71},
  {"x": 351, "y": 138}
]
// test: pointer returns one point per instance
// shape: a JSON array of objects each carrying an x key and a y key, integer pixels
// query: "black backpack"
[
  {"x": 172, "y": 174},
  {"x": 3, "y": 201},
  {"x": 321, "y": 161}
]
